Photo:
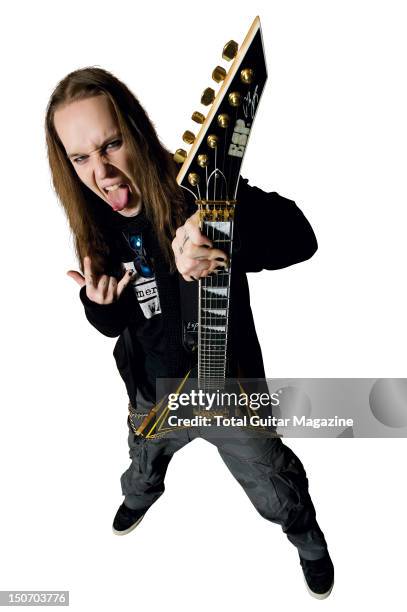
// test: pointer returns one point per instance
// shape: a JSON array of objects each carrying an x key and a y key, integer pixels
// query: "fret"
[
  {"x": 217, "y": 312},
  {"x": 215, "y": 349},
  {"x": 211, "y": 303},
  {"x": 220, "y": 281},
  {"x": 207, "y": 360},
  {"x": 216, "y": 290},
  {"x": 216, "y": 375},
  {"x": 217, "y": 328},
  {"x": 218, "y": 227}
]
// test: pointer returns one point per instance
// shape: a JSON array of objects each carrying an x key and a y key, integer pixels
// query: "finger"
[
  {"x": 124, "y": 281},
  {"x": 218, "y": 255},
  {"x": 201, "y": 274},
  {"x": 111, "y": 293},
  {"x": 213, "y": 269},
  {"x": 192, "y": 230},
  {"x": 90, "y": 278},
  {"x": 102, "y": 285},
  {"x": 77, "y": 276},
  {"x": 199, "y": 252},
  {"x": 189, "y": 278},
  {"x": 196, "y": 269}
]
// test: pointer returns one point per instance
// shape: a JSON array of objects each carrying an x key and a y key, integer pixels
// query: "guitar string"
[{"x": 212, "y": 343}]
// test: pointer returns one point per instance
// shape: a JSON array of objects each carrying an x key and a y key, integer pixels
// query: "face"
[{"x": 89, "y": 131}]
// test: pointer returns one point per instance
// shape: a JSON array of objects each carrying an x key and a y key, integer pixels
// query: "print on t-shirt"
[{"x": 143, "y": 279}]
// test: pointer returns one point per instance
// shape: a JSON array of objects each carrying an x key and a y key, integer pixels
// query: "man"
[{"x": 135, "y": 234}]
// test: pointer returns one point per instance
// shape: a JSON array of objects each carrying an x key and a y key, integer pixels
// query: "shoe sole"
[
  {"x": 319, "y": 595},
  {"x": 126, "y": 531}
]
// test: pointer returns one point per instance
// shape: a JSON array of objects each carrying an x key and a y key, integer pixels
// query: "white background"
[{"x": 330, "y": 134}]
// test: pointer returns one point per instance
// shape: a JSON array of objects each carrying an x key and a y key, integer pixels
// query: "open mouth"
[
  {"x": 115, "y": 187},
  {"x": 118, "y": 195}
]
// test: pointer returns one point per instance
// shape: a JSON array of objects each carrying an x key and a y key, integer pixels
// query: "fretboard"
[{"x": 213, "y": 316}]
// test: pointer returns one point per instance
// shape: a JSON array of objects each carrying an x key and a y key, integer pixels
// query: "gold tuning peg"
[
  {"x": 218, "y": 74},
  {"x": 198, "y": 117},
  {"x": 193, "y": 178},
  {"x": 246, "y": 75},
  {"x": 212, "y": 141},
  {"x": 234, "y": 98},
  {"x": 188, "y": 137},
  {"x": 202, "y": 160},
  {"x": 223, "y": 120},
  {"x": 230, "y": 50},
  {"x": 208, "y": 96},
  {"x": 180, "y": 156}
]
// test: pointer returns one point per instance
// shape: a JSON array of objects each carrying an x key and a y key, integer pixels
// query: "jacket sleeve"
[
  {"x": 110, "y": 319},
  {"x": 270, "y": 231}
]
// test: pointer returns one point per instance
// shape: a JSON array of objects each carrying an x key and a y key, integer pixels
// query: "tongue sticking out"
[{"x": 119, "y": 198}]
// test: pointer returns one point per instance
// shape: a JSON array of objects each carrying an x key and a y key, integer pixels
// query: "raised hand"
[
  {"x": 194, "y": 256},
  {"x": 101, "y": 289}
]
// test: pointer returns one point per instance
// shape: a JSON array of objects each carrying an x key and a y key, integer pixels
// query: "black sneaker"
[
  {"x": 319, "y": 576},
  {"x": 126, "y": 520}
]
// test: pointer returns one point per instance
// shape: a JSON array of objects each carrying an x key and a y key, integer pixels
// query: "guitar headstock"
[{"x": 211, "y": 168}]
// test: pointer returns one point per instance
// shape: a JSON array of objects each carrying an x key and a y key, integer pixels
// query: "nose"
[{"x": 101, "y": 167}]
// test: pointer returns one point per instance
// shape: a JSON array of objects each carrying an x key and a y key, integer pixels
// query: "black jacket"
[{"x": 270, "y": 233}]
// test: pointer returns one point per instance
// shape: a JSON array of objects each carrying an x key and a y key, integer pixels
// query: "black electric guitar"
[{"x": 210, "y": 171}]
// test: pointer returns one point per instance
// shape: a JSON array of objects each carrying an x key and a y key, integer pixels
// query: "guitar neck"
[
  {"x": 217, "y": 220},
  {"x": 211, "y": 169}
]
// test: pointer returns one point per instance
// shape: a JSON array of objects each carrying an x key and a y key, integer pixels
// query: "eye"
[
  {"x": 80, "y": 160},
  {"x": 115, "y": 144}
]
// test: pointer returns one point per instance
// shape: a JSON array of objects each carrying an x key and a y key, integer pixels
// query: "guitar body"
[{"x": 185, "y": 403}]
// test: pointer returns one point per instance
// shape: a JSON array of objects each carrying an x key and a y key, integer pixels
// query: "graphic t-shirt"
[
  {"x": 143, "y": 280},
  {"x": 132, "y": 242}
]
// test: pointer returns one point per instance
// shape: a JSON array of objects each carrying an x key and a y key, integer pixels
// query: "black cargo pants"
[{"x": 270, "y": 473}]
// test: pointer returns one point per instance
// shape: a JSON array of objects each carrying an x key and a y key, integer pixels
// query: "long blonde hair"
[{"x": 153, "y": 170}]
